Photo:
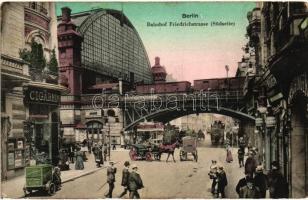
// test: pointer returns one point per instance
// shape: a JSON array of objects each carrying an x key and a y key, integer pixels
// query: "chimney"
[
  {"x": 157, "y": 61},
  {"x": 66, "y": 14}
]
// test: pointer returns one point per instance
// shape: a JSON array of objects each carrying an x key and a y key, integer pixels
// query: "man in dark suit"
[
  {"x": 125, "y": 177},
  {"x": 278, "y": 186},
  {"x": 111, "y": 171},
  {"x": 222, "y": 181},
  {"x": 134, "y": 183}
]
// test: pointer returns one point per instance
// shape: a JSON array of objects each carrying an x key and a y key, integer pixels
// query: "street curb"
[
  {"x": 86, "y": 173},
  {"x": 81, "y": 175}
]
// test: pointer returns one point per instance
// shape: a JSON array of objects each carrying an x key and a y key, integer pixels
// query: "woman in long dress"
[
  {"x": 79, "y": 160},
  {"x": 229, "y": 157}
]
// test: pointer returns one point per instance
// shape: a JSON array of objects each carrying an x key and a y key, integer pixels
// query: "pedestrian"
[
  {"x": 71, "y": 153},
  {"x": 250, "y": 164},
  {"x": 213, "y": 175},
  {"x": 114, "y": 147},
  {"x": 257, "y": 156},
  {"x": 125, "y": 176},
  {"x": 134, "y": 183},
  {"x": 242, "y": 182},
  {"x": 240, "y": 155},
  {"x": 98, "y": 156},
  {"x": 260, "y": 181},
  {"x": 278, "y": 186},
  {"x": 105, "y": 152},
  {"x": 222, "y": 181},
  {"x": 79, "y": 159},
  {"x": 90, "y": 143},
  {"x": 111, "y": 171},
  {"x": 242, "y": 144},
  {"x": 56, "y": 176},
  {"x": 229, "y": 157},
  {"x": 249, "y": 191}
]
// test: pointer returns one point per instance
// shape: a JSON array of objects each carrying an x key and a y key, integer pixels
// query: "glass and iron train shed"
[{"x": 111, "y": 47}]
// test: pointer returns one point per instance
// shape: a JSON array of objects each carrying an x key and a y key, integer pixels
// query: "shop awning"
[{"x": 56, "y": 87}]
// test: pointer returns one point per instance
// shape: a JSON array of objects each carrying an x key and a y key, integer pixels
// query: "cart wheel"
[
  {"x": 133, "y": 155},
  {"x": 26, "y": 192},
  {"x": 183, "y": 155},
  {"x": 148, "y": 156},
  {"x": 51, "y": 189}
]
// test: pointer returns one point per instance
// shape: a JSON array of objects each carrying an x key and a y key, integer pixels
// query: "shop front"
[{"x": 42, "y": 126}]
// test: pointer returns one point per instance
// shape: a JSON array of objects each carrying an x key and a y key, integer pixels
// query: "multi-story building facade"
[
  {"x": 29, "y": 100},
  {"x": 99, "y": 50},
  {"x": 279, "y": 94}
]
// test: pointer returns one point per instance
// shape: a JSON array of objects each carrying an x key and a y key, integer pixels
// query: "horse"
[{"x": 169, "y": 148}]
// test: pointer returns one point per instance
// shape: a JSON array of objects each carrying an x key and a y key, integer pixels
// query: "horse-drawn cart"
[
  {"x": 189, "y": 145},
  {"x": 144, "y": 152}
]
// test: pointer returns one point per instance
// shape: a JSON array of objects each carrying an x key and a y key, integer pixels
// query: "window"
[{"x": 94, "y": 130}]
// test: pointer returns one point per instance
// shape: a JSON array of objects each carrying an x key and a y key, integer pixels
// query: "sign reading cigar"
[{"x": 39, "y": 95}]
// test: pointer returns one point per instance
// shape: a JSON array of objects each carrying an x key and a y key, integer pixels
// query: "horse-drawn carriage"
[
  {"x": 189, "y": 145},
  {"x": 144, "y": 152}
]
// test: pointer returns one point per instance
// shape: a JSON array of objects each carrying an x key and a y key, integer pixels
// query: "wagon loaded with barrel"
[{"x": 189, "y": 146}]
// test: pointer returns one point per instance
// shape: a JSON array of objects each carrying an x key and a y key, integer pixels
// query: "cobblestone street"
[{"x": 161, "y": 180}]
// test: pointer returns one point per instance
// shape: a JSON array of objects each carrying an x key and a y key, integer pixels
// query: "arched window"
[{"x": 94, "y": 130}]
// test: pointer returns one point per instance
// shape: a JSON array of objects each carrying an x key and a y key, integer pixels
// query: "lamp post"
[{"x": 109, "y": 148}]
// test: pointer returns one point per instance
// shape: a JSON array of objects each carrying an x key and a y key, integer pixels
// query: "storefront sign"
[
  {"x": 93, "y": 113},
  {"x": 270, "y": 122},
  {"x": 259, "y": 122},
  {"x": 39, "y": 95}
]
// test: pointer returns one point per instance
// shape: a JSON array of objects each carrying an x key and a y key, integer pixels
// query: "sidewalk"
[{"x": 13, "y": 188}]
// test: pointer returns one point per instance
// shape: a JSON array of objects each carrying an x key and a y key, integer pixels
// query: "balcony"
[{"x": 14, "y": 72}]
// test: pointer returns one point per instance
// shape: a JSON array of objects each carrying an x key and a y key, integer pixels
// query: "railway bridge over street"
[{"x": 166, "y": 107}]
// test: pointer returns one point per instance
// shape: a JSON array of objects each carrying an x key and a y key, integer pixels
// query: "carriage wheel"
[
  {"x": 51, "y": 189},
  {"x": 148, "y": 156},
  {"x": 133, "y": 155},
  {"x": 156, "y": 156},
  {"x": 183, "y": 155}
]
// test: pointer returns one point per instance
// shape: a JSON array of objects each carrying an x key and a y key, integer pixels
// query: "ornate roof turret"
[{"x": 158, "y": 71}]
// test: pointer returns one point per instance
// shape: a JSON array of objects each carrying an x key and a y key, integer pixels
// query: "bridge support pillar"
[{"x": 247, "y": 131}]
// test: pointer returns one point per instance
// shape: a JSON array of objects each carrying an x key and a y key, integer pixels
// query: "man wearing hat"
[
  {"x": 249, "y": 191},
  {"x": 221, "y": 180},
  {"x": 278, "y": 186},
  {"x": 250, "y": 164},
  {"x": 260, "y": 180},
  {"x": 125, "y": 176},
  {"x": 134, "y": 183},
  {"x": 111, "y": 171}
]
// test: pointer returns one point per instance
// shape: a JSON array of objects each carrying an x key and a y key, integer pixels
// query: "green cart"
[{"x": 39, "y": 178}]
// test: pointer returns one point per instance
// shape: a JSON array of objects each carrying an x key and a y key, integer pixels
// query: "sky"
[{"x": 188, "y": 53}]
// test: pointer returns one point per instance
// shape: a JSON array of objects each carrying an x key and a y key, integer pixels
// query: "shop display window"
[{"x": 16, "y": 156}]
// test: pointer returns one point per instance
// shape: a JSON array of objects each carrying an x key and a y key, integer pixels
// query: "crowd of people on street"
[
  {"x": 255, "y": 183},
  {"x": 219, "y": 179}
]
